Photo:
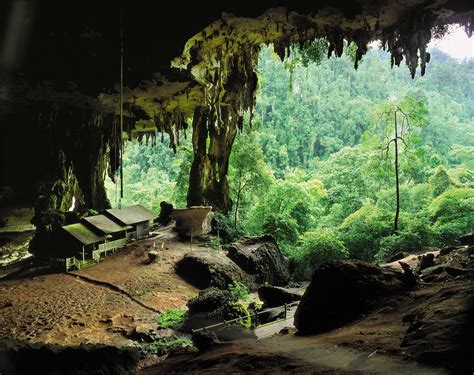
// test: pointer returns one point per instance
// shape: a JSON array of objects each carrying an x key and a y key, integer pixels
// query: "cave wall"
[{"x": 61, "y": 151}]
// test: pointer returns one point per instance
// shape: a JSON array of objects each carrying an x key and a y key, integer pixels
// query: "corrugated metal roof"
[
  {"x": 83, "y": 234},
  {"x": 105, "y": 225},
  {"x": 132, "y": 214}
]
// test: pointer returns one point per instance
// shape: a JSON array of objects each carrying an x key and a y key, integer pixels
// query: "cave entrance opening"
[{"x": 309, "y": 166}]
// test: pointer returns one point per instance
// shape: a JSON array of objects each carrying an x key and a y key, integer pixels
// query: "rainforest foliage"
[{"x": 317, "y": 169}]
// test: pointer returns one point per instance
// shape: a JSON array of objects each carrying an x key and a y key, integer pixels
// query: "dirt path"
[
  {"x": 339, "y": 358},
  {"x": 270, "y": 329},
  {"x": 115, "y": 289}
]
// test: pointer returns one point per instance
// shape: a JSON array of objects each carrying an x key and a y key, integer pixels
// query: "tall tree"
[{"x": 399, "y": 120}]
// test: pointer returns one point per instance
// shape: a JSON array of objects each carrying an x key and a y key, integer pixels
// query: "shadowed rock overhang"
[{"x": 181, "y": 61}]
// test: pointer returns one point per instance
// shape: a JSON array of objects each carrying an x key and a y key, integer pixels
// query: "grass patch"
[
  {"x": 164, "y": 345},
  {"x": 171, "y": 318}
]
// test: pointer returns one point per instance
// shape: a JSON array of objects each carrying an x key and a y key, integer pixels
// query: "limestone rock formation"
[
  {"x": 440, "y": 329},
  {"x": 165, "y": 213},
  {"x": 204, "y": 268},
  {"x": 273, "y": 296},
  {"x": 193, "y": 221},
  {"x": 467, "y": 240},
  {"x": 260, "y": 256},
  {"x": 21, "y": 358},
  {"x": 211, "y": 306},
  {"x": 341, "y": 291}
]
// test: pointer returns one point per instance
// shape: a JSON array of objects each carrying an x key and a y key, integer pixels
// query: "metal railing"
[{"x": 254, "y": 315}]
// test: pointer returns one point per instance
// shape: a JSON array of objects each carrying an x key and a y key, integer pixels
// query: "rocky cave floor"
[
  {"x": 15, "y": 234},
  {"x": 114, "y": 301},
  {"x": 372, "y": 344},
  {"x": 70, "y": 309}
]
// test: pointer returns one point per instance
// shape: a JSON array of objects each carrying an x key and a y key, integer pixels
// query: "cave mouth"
[
  {"x": 313, "y": 134},
  {"x": 318, "y": 170},
  {"x": 213, "y": 82}
]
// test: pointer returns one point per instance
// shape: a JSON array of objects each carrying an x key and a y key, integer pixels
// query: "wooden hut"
[
  {"x": 106, "y": 226},
  {"x": 80, "y": 242},
  {"x": 136, "y": 216}
]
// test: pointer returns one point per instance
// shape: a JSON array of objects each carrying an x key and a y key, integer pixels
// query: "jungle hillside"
[{"x": 338, "y": 162}]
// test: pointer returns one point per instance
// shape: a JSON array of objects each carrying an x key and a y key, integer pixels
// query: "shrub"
[
  {"x": 362, "y": 230},
  {"x": 164, "y": 345},
  {"x": 239, "y": 290},
  {"x": 283, "y": 228},
  {"x": 316, "y": 247},
  {"x": 171, "y": 318},
  {"x": 223, "y": 227},
  {"x": 439, "y": 182},
  {"x": 453, "y": 214},
  {"x": 241, "y": 310},
  {"x": 213, "y": 242}
]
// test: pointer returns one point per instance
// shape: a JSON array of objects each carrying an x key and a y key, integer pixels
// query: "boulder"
[
  {"x": 440, "y": 329},
  {"x": 166, "y": 210},
  {"x": 467, "y": 240},
  {"x": 205, "y": 268},
  {"x": 270, "y": 315},
  {"x": 205, "y": 340},
  {"x": 211, "y": 306},
  {"x": 273, "y": 296},
  {"x": 152, "y": 256},
  {"x": 193, "y": 221},
  {"x": 426, "y": 261},
  {"x": 447, "y": 250},
  {"x": 398, "y": 256},
  {"x": 341, "y": 291},
  {"x": 260, "y": 256}
]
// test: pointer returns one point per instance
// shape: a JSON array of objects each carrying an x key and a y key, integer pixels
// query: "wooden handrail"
[{"x": 286, "y": 306}]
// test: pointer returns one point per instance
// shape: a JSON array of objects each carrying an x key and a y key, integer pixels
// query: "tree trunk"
[
  {"x": 397, "y": 181},
  {"x": 212, "y": 145},
  {"x": 237, "y": 203}
]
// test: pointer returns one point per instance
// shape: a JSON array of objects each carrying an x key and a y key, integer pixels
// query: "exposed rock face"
[
  {"x": 440, "y": 330},
  {"x": 260, "y": 256},
  {"x": 52, "y": 359},
  {"x": 340, "y": 291},
  {"x": 211, "y": 306},
  {"x": 193, "y": 221},
  {"x": 203, "y": 268},
  {"x": 216, "y": 85},
  {"x": 467, "y": 240},
  {"x": 165, "y": 213},
  {"x": 273, "y": 296}
]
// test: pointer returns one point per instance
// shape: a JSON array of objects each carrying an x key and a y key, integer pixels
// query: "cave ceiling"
[
  {"x": 178, "y": 56},
  {"x": 60, "y": 62}
]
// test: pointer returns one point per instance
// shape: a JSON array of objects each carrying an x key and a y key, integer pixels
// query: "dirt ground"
[
  {"x": 155, "y": 284},
  {"x": 371, "y": 345},
  {"x": 426, "y": 330},
  {"x": 66, "y": 310}
]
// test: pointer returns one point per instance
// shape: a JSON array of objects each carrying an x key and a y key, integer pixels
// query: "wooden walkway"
[{"x": 269, "y": 329}]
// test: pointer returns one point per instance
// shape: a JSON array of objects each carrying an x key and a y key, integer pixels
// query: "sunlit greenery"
[
  {"x": 314, "y": 170},
  {"x": 164, "y": 345},
  {"x": 171, "y": 318}
]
